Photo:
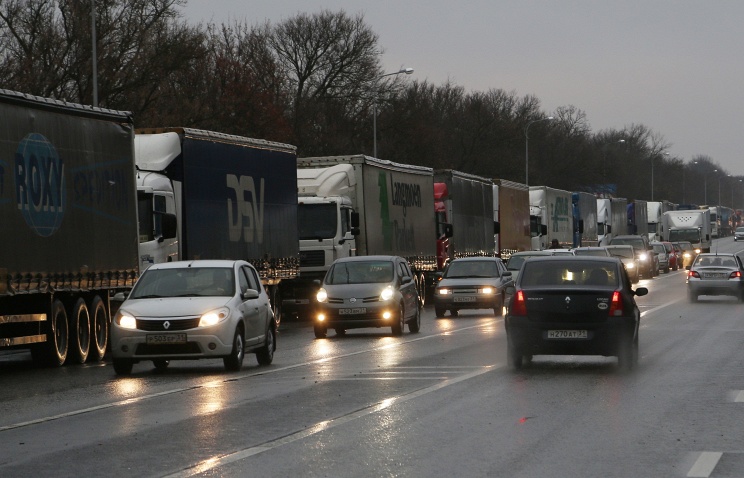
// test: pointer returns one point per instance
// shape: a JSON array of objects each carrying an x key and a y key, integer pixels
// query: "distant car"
[
  {"x": 645, "y": 254},
  {"x": 689, "y": 253},
  {"x": 194, "y": 310},
  {"x": 368, "y": 291},
  {"x": 472, "y": 283},
  {"x": 678, "y": 259},
  {"x": 591, "y": 251},
  {"x": 716, "y": 274},
  {"x": 629, "y": 260},
  {"x": 739, "y": 234},
  {"x": 663, "y": 251},
  {"x": 515, "y": 261},
  {"x": 573, "y": 306}
]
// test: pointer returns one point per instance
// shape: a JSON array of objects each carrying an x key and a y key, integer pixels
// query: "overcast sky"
[{"x": 674, "y": 66}]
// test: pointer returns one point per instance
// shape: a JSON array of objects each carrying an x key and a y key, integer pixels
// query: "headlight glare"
[
  {"x": 643, "y": 257},
  {"x": 443, "y": 291},
  {"x": 321, "y": 296},
  {"x": 214, "y": 317},
  {"x": 487, "y": 290},
  {"x": 387, "y": 293},
  {"x": 125, "y": 320}
]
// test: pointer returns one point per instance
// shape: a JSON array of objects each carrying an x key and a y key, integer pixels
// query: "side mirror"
[
  {"x": 609, "y": 229},
  {"x": 506, "y": 275},
  {"x": 120, "y": 297},
  {"x": 510, "y": 290},
  {"x": 496, "y": 227},
  {"x": 406, "y": 280},
  {"x": 249, "y": 294},
  {"x": 354, "y": 220},
  {"x": 355, "y": 231},
  {"x": 543, "y": 230},
  {"x": 448, "y": 230},
  {"x": 169, "y": 225},
  {"x": 640, "y": 291},
  {"x": 316, "y": 282}
]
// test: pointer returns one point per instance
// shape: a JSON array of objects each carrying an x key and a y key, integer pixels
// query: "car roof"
[
  {"x": 225, "y": 263},
  {"x": 545, "y": 252},
  {"x": 719, "y": 254},
  {"x": 369, "y": 258},
  {"x": 477, "y": 258},
  {"x": 568, "y": 258}
]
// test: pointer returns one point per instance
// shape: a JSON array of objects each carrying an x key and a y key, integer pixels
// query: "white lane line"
[
  {"x": 229, "y": 379},
  {"x": 738, "y": 396},
  {"x": 705, "y": 464},
  {"x": 223, "y": 460},
  {"x": 658, "y": 307}
]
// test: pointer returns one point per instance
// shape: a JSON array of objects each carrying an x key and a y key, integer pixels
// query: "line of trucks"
[{"x": 88, "y": 202}]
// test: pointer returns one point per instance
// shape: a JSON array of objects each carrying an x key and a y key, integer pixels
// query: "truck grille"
[{"x": 312, "y": 258}]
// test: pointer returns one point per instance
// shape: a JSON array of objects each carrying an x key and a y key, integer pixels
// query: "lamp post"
[
  {"x": 705, "y": 185},
  {"x": 604, "y": 160},
  {"x": 719, "y": 189},
  {"x": 527, "y": 148},
  {"x": 406, "y": 71}
]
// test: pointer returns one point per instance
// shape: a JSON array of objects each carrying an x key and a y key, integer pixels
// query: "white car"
[{"x": 193, "y": 310}]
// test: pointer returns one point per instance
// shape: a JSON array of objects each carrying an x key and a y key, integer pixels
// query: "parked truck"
[
  {"x": 358, "y": 205},
  {"x": 654, "y": 210},
  {"x": 68, "y": 208},
  {"x": 511, "y": 212},
  {"x": 691, "y": 225},
  {"x": 550, "y": 217},
  {"x": 612, "y": 219},
  {"x": 584, "y": 210},
  {"x": 637, "y": 217},
  {"x": 226, "y": 197}
]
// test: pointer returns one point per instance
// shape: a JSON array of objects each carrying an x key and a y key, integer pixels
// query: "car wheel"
[
  {"x": 320, "y": 331},
  {"x": 122, "y": 366},
  {"x": 693, "y": 297},
  {"x": 234, "y": 361},
  {"x": 398, "y": 326},
  {"x": 161, "y": 364},
  {"x": 498, "y": 308},
  {"x": 265, "y": 355},
  {"x": 513, "y": 355},
  {"x": 627, "y": 358},
  {"x": 340, "y": 331},
  {"x": 454, "y": 312},
  {"x": 414, "y": 325},
  {"x": 439, "y": 312}
]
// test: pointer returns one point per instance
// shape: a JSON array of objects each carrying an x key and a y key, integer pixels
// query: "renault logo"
[
  {"x": 352, "y": 300},
  {"x": 166, "y": 324},
  {"x": 568, "y": 300}
]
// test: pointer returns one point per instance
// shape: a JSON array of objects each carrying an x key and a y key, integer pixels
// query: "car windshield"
[
  {"x": 740, "y": 229},
  {"x": 659, "y": 248},
  {"x": 626, "y": 252},
  {"x": 715, "y": 261},
  {"x": 591, "y": 252},
  {"x": 185, "y": 282},
  {"x": 471, "y": 269},
  {"x": 636, "y": 243},
  {"x": 568, "y": 274},
  {"x": 357, "y": 272},
  {"x": 515, "y": 262}
]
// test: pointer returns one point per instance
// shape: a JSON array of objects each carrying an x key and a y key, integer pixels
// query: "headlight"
[
  {"x": 214, "y": 317},
  {"x": 629, "y": 265},
  {"x": 125, "y": 320},
  {"x": 686, "y": 254},
  {"x": 443, "y": 291},
  {"x": 643, "y": 257},
  {"x": 487, "y": 290},
  {"x": 321, "y": 296},
  {"x": 387, "y": 293},
  {"x": 697, "y": 251}
]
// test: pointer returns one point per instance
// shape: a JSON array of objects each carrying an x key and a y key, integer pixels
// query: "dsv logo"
[{"x": 40, "y": 184}]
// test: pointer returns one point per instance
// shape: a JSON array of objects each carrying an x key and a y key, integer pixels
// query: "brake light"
[
  {"x": 616, "y": 305},
  {"x": 695, "y": 274},
  {"x": 519, "y": 307},
  {"x": 735, "y": 275}
]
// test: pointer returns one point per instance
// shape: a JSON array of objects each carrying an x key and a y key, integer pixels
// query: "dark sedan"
[
  {"x": 573, "y": 306},
  {"x": 472, "y": 283}
]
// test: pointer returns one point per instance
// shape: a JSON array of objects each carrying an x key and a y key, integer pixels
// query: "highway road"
[{"x": 438, "y": 403}]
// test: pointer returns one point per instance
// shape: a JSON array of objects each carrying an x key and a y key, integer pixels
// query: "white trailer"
[
  {"x": 691, "y": 225},
  {"x": 551, "y": 217},
  {"x": 654, "y": 211},
  {"x": 612, "y": 218}
]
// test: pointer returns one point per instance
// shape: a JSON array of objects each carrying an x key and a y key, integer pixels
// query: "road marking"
[
  {"x": 738, "y": 396},
  {"x": 230, "y": 379},
  {"x": 654, "y": 309},
  {"x": 222, "y": 460},
  {"x": 705, "y": 464}
]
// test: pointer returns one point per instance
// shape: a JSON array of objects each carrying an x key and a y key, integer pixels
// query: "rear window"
[{"x": 569, "y": 274}]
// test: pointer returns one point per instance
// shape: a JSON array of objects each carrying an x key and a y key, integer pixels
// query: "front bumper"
[
  {"x": 372, "y": 315},
  {"x": 209, "y": 342},
  {"x": 470, "y": 302}
]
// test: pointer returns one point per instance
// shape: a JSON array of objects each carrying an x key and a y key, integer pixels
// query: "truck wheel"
[
  {"x": 99, "y": 328},
  {"x": 54, "y": 351},
  {"x": 320, "y": 331},
  {"x": 122, "y": 366},
  {"x": 422, "y": 290},
  {"x": 276, "y": 304},
  {"x": 265, "y": 355},
  {"x": 234, "y": 361},
  {"x": 80, "y": 332}
]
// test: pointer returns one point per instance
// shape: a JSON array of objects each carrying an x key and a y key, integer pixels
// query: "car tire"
[
  {"x": 414, "y": 325},
  {"x": 340, "y": 331},
  {"x": 454, "y": 312},
  {"x": 79, "y": 332},
  {"x": 397, "y": 327},
  {"x": 161, "y": 364},
  {"x": 439, "y": 312},
  {"x": 627, "y": 358},
  {"x": 693, "y": 297},
  {"x": 513, "y": 355},
  {"x": 265, "y": 355},
  {"x": 123, "y": 366},
  {"x": 320, "y": 331},
  {"x": 498, "y": 308},
  {"x": 234, "y": 361}
]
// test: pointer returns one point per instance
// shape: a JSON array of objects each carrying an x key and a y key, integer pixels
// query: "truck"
[
  {"x": 691, "y": 225},
  {"x": 68, "y": 206},
  {"x": 584, "y": 211},
  {"x": 511, "y": 213},
  {"x": 357, "y": 205},
  {"x": 550, "y": 217},
  {"x": 468, "y": 221},
  {"x": 721, "y": 221},
  {"x": 225, "y": 196},
  {"x": 654, "y": 210},
  {"x": 637, "y": 217},
  {"x": 612, "y": 219}
]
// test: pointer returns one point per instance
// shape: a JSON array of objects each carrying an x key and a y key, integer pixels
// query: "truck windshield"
[
  {"x": 690, "y": 235},
  {"x": 317, "y": 221}
]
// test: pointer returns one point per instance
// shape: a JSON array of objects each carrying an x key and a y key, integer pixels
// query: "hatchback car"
[
  {"x": 663, "y": 251},
  {"x": 367, "y": 291},
  {"x": 739, "y": 234},
  {"x": 573, "y": 306},
  {"x": 515, "y": 261},
  {"x": 628, "y": 258},
  {"x": 689, "y": 253},
  {"x": 194, "y": 310},
  {"x": 647, "y": 259},
  {"x": 472, "y": 283},
  {"x": 716, "y": 274}
]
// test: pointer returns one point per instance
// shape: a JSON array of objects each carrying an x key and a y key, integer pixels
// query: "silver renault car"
[{"x": 192, "y": 310}]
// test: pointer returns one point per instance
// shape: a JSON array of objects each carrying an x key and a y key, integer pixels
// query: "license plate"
[
  {"x": 302, "y": 301},
  {"x": 354, "y": 311},
  {"x": 160, "y": 339},
  {"x": 715, "y": 275},
  {"x": 567, "y": 334},
  {"x": 465, "y": 299}
]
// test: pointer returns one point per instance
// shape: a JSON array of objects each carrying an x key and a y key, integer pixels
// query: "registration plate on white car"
[
  {"x": 567, "y": 334},
  {"x": 714, "y": 275},
  {"x": 465, "y": 299},
  {"x": 160, "y": 339},
  {"x": 352, "y": 311}
]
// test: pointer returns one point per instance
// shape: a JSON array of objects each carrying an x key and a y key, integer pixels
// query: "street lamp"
[
  {"x": 604, "y": 160},
  {"x": 406, "y": 71},
  {"x": 719, "y": 189},
  {"x": 527, "y": 149},
  {"x": 705, "y": 185}
]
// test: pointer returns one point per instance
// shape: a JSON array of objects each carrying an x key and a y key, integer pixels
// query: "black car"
[
  {"x": 648, "y": 260},
  {"x": 573, "y": 306}
]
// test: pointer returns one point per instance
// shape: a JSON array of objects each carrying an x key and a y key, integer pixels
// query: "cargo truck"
[
  {"x": 550, "y": 217},
  {"x": 68, "y": 207},
  {"x": 654, "y": 210},
  {"x": 227, "y": 197},
  {"x": 511, "y": 212},
  {"x": 584, "y": 210},
  {"x": 612, "y": 219},
  {"x": 637, "y": 217},
  {"x": 691, "y": 225},
  {"x": 358, "y": 205}
]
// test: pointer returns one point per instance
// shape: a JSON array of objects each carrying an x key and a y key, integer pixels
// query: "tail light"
[
  {"x": 735, "y": 275},
  {"x": 519, "y": 306},
  {"x": 695, "y": 274},
  {"x": 616, "y": 305}
]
